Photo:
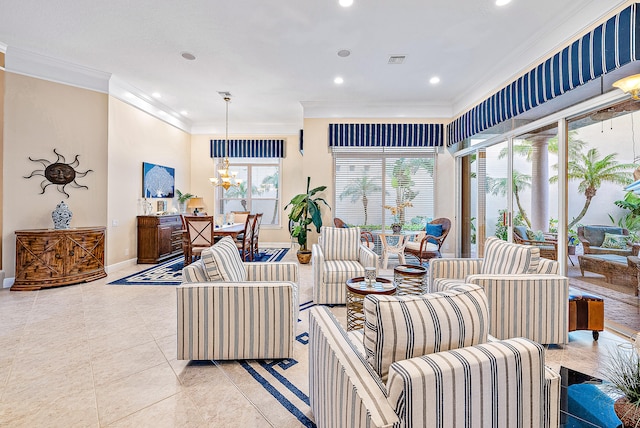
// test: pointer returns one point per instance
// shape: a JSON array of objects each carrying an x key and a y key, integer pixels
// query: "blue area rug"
[{"x": 170, "y": 272}]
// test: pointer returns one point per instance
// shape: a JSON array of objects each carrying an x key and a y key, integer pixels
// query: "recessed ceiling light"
[
  {"x": 338, "y": 80},
  {"x": 343, "y": 53},
  {"x": 156, "y": 95},
  {"x": 188, "y": 56},
  {"x": 502, "y": 2},
  {"x": 434, "y": 80},
  {"x": 345, "y": 3}
]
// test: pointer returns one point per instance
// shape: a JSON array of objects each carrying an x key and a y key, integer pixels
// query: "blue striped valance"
[
  {"x": 248, "y": 149},
  {"x": 386, "y": 135},
  {"x": 604, "y": 49}
]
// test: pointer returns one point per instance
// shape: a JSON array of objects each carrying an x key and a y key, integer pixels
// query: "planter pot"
[
  {"x": 628, "y": 412},
  {"x": 396, "y": 228},
  {"x": 304, "y": 257}
]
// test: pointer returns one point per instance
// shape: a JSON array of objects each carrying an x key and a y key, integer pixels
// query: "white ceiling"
[{"x": 279, "y": 58}]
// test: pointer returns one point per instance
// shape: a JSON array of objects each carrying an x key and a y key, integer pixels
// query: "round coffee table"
[
  {"x": 357, "y": 290},
  {"x": 410, "y": 279}
]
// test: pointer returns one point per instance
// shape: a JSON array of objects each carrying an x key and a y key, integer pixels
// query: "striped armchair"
[
  {"x": 453, "y": 379},
  {"x": 526, "y": 296},
  {"x": 338, "y": 256},
  {"x": 233, "y": 320}
]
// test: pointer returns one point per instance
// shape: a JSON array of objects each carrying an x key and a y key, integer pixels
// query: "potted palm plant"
[
  {"x": 305, "y": 210},
  {"x": 623, "y": 372}
]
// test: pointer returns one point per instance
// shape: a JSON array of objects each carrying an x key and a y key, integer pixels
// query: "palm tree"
[
  {"x": 358, "y": 189},
  {"x": 592, "y": 173},
  {"x": 402, "y": 174},
  {"x": 498, "y": 186},
  {"x": 525, "y": 148}
]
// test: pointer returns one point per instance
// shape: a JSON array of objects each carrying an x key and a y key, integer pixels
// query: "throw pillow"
[
  {"x": 615, "y": 241},
  {"x": 401, "y": 327},
  {"x": 222, "y": 262},
  {"x": 434, "y": 230},
  {"x": 502, "y": 257}
]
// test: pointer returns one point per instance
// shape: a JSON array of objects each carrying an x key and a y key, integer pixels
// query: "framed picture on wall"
[
  {"x": 161, "y": 206},
  {"x": 157, "y": 181}
]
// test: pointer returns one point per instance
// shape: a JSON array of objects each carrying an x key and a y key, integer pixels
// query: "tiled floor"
[{"x": 92, "y": 355}]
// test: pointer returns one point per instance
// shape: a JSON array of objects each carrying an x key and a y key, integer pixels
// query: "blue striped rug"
[
  {"x": 285, "y": 380},
  {"x": 170, "y": 272}
]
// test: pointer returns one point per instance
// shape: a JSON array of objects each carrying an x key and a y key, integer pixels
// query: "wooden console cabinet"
[
  {"x": 159, "y": 238},
  {"x": 50, "y": 257}
]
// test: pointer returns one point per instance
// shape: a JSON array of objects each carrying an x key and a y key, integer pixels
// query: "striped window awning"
[
  {"x": 248, "y": 149},
  {"x": 385, "y": 135},
  {"x": 602, "y": 50}
]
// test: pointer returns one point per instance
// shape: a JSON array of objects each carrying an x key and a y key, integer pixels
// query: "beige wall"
[
  {"x": 1, "y": 147},
  {"x": 41, "y": 116},
  {"x": 317, "y": 163},
  {"x": 136, "y": 137}
]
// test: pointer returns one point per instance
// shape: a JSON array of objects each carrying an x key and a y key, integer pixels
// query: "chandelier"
[{"x": 226, "y": 178}]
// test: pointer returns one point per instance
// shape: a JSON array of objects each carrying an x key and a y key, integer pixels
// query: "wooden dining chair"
[
  {"x": 256, "y": 235},
  {"x": 199, "y": 236},
  {"x": 245, "y": 244}
]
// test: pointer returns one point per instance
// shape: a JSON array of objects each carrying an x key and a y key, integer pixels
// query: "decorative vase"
[
  {"x": 628, "y": 412},
  {"x": 396, "y": 228},
  {"x": 61, "y": 216}
]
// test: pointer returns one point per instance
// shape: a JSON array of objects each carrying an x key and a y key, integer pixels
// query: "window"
[
  {"x": 368, "y": 179},
  {"x": 258, "y": 191}
]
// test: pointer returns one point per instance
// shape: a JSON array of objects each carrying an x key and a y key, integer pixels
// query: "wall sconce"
[{"x": 630, "y": 85}]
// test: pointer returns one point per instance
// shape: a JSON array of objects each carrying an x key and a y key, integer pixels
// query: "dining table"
[{"x": 232, "y": 230}]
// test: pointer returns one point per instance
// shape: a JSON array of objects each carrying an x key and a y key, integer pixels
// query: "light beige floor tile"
[
  {"x": 177, "y": 411},
  {"x": 123, "y": 397},
  {"x": 227, "y": 406},
  {"x": 118, "y": 341},
  {"x": 109, "y": 367}
]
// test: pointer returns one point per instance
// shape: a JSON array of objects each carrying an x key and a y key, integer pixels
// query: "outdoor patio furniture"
[
  {"x": 366, "y": 237},
  {"x": 426, "y": 245},
  {"x": 616, "y": 269},
  {"x": 548, "y": 245},
  {"x": 592, "y": 238}
]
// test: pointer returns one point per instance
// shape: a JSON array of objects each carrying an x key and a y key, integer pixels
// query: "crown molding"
[
  {"x": 131, "y": 95},
  {"x": 319, "y": 109},
  {"x": 55, "y": 70}
]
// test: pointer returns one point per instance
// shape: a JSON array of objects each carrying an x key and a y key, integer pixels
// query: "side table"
[
  {"x": 410, "y": 279},
  {"x": 357, "y": 290}
]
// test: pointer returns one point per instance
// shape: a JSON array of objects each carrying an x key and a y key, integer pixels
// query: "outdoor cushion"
[
  {"x": 535, "y": 236},
  {"x": 223, "y": 263},
  {"x": 595, "y": 234},
  {"x": 433, "y": 230},
  {"x": 503, "y": 257},
  {"x": 615, "y": 241},
  {"x": 340, "y": 243},
  {"x": 522, "y": 231},
  {"x": 402, "y": 327}
]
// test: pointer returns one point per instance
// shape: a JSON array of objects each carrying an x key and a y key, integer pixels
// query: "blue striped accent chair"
[
  {"x": 497, "y": 383},
  {"x": 527, "y": 297},
  {"x": 338, "y": 256},
  {"x": 254, "y": 318}
]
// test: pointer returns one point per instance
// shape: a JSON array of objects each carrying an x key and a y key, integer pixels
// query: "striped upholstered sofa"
[
  {"x": 527, "y": 298},
  {"x": 427, "y": 361},
  {"x": 338, "y": 256},
  {"x": 230, "y": 310}
]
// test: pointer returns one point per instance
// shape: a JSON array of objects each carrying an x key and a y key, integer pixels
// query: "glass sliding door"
[{"x": 493, "y": 193}]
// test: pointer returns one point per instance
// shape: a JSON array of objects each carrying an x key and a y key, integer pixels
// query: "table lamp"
[{"x": 195, "y": 203}]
